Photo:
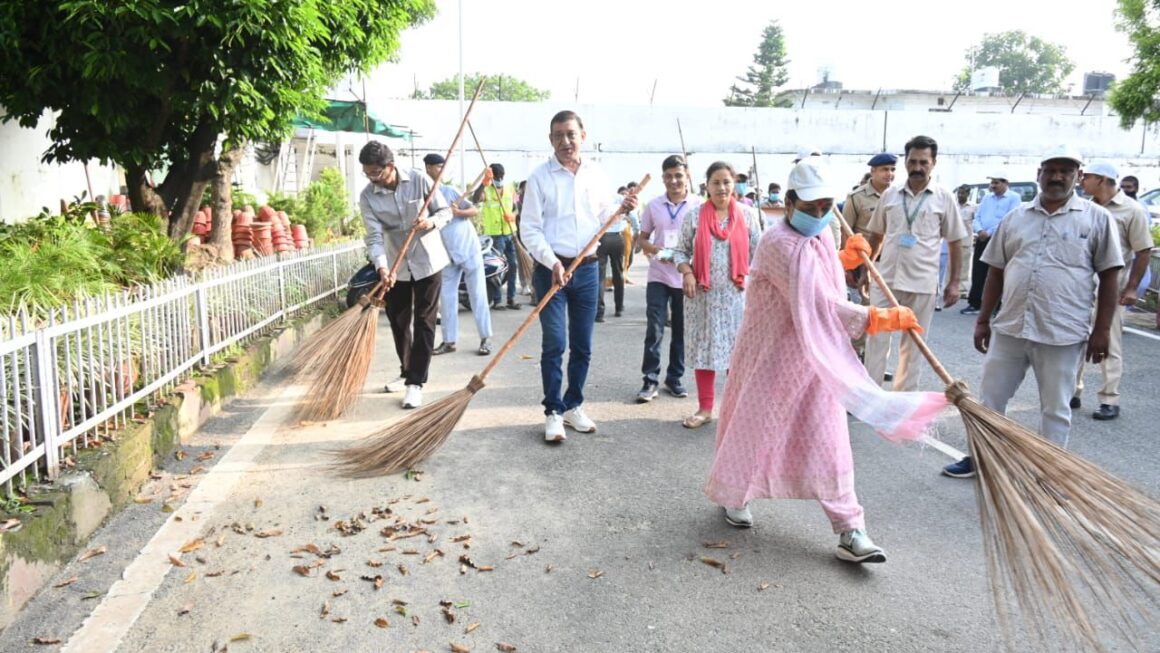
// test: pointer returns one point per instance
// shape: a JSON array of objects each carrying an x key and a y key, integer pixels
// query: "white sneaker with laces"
[
  {"x": 739, "y": 517},
  {"x": 396, "y": 385},
  {"x": 579, "y": 421},
  {"x": 856, "y": 546},
  {"x": 554, "y": 428},
  {"x": 414, "y": 397}
]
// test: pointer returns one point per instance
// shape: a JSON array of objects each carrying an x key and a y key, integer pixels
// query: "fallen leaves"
[
  {"x": 721, "y": 544},
  {"x": 505, "y": 647},
  {"x": 273, "y": 532},
  {"x": 66, "y": 583},
  {"x": 471, "y": 627},
  {"x": 241, "y": 637},
  {"x": 332, "y": 574},
  {"x": 762, "y": 587},
  {"x": 460, "y": 648},
  {"x": 175, "y": 561},
  {"x": 595, "y": 573},
  {"x": 185, "y": 609},
  {"x": 190, "y": 578},
  {"x": 382, "y": 622},
  {"x": 92, "y": 553},
  {"x": 714, "y": 562},
  {"x": 46, "y": 641},
  {"x": 192, "y": 545}
]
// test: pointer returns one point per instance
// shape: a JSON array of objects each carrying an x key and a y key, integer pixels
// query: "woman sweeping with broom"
[{"x": 794, "y": 375}]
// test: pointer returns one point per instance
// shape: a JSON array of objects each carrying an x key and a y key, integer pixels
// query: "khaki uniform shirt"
[
  {"x": 1049, "y": 263},
  {"x": 967, "y": 213},
  {"x": 915, "y": 268},
  {"x": 859, "y": 207},
  {"x": 1132, "y": 230}
]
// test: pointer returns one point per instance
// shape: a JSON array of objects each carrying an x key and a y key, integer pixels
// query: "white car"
[{"x": 1151, "y": 201}]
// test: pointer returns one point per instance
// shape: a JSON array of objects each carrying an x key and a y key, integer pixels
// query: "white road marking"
[
  {"x": 105, "y": 629},
  {"x": 943, "y": 447},
  {"x": 1138, "y": 332}
]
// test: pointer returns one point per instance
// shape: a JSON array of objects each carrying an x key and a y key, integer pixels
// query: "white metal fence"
[{"x": 79, "y": 371}]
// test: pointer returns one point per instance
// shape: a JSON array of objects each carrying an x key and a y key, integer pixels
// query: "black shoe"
[
  {"x": 599, "y": 317},
  {"x": 1075, "y": 403},
  {"x": 496, "y": 306},
  {"x": 964, "y": 468},
  {"x": 1106, "y": 412},
  {"x": 618, "y": 313},
  {"x": 445, "y": 348},
  {"x": 970, "y": 310},
  {"x": 513, "y": 305},
  {"x": 647, "y": 393},
  {"x": 676, "y": 389},
  {"x": 888, "y": 377}
]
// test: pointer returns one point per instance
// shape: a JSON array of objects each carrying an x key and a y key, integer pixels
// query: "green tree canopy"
[
  {"x": 1027, "y": 64},
  {"x": 504, "y": 88},
  {"x": 153, "y": 84},
  {"x": 1136, "y": 96},
  {"x": 765, "y": 76}
]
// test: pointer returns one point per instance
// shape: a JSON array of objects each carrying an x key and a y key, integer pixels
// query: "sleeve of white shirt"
[
  {"x": 439, "y": 210},
  {"x": 532, "y": 224},
  {"x": 374, "y": 237}
]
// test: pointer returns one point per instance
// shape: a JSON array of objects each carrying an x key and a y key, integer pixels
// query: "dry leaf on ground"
[
  {"x": 240, "y": 637},
  {"x": 47, "y": 641},
  {"x": 185, "y": 609},
  {"x": 762, "y": 587},
  {"x": 460, "y": 648},
  {"x": 339, "y": 620},
  {"x": 471, "y": 628},
  {"x": 332, "y": 574},
  {"x": 303, "y": 570},
  {"x": 192, "y": 545},
  {"x": 308, "y": 548},
  {"x": 720, "y": 544},
  {"x": 505, "y": 647},
  {"x": 66, "y": 583},
  {"x": 325, "y": 611},
  {"x": 713, "y": 562},
  {"x": 595, "y": 573},
  {"x": 190, "y": 578},
  {"x": 381, "y": 622},
  {"x": 92, "y": 553},
  {"x": 175, "y": 561}
]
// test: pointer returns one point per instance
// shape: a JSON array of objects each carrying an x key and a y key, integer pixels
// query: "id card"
[
  {"x": 671, "y": 239},
  {"x": 908, "y": 240}
]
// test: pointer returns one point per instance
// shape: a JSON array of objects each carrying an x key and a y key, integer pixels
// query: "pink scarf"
[
  {"x": 736, "y": 231},
  {"x": 816, "y": 286}
]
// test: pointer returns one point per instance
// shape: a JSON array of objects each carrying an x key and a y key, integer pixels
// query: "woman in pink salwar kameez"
[{"x": 794, "y": 375}]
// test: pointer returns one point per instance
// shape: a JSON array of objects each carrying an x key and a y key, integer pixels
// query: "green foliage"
[
  {"x": 1027, "y": 64},
  {"x": 1135, "y": 96},
  {"x": 326, "y": 208},
  {"x": 503, "y": 88},
  {"x": 240, "y": 198},
  {"x": 1156, "y": 235},
  {"x": 141, "y": 251},
  {"x": 766, "y": 75},
  {"x": 285, "y": 202}
]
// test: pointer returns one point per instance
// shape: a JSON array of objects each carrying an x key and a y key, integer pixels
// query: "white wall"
[{"x": 27, "y": 185}]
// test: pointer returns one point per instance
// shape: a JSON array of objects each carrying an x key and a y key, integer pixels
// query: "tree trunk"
[
  {"x": 187, "y": 180},
  {"x": 142, "y": 197},
  {"x": 221, "y": 236}
]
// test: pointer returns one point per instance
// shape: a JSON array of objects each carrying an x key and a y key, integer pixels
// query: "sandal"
[
  {"x": 484, "y": 348},
  {"x": 696, "y": 421},
  {"x": 445, "y": 348}
]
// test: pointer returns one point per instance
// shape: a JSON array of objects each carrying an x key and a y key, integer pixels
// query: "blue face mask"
[
  {"x": 774, "y": 197},
  {"x": 742, "y": 188},
  {"x": 809, "y": 226}
]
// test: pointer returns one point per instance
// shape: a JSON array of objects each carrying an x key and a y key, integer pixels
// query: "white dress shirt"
[{"x": 563, "y": 211}]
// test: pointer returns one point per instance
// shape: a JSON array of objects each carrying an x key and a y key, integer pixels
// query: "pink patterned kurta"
[{"x": 782, "y": 432}]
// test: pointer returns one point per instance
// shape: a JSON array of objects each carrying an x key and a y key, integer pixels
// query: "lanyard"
[
  {"x": 911, "y": 215},
  {"x": 673, "y": 214}
]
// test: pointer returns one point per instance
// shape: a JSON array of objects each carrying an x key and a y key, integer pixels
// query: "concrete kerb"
[{"x": 107, "y": 478}]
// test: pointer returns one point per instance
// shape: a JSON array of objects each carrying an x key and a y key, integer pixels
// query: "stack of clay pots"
[
  {"x": 202, "y": 223},
  {"x": 281, "y": 232},
  {"x": 298, "y": 233},
  {"x": 242, "y": 236}
]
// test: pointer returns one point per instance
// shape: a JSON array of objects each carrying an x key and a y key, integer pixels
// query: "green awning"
[{"x": 344, "y": 116}]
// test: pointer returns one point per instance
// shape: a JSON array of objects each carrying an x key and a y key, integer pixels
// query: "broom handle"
[
  {"x": 434, "y": 188},
  {"x": 552, "y": 291},
  {"x": 918, "y": 340}
]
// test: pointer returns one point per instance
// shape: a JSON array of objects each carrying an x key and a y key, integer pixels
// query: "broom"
[
  {"x": 1075, "y": 547},
  {"x": 339, "y": 358},
  {"x": 523, "y": 259},
  {"x": 411, "y": 439}
]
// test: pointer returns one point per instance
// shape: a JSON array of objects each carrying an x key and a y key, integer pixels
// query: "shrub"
[{"x": 326, "y": 208}]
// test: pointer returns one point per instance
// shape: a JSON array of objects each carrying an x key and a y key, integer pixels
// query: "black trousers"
[
  {"x": 418, "y": 299},
  {"x": 978, "y": 275},
  {"x": 610, "y": 253}
]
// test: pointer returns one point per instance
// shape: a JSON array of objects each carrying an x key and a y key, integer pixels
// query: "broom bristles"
[
  {"x": 308, "y": 354},
  {"x": 1077, "y": 549},
  {"x": 409, "y": 441},
  {"x": 339, "y": 369}
]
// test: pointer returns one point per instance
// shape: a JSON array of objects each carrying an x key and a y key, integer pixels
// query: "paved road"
[{"x": 596, "y": 545}]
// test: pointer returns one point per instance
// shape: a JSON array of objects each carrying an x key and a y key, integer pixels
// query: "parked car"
[
  {"x": 1151, "y": 201},
  {"x": 1027, "y": 190}
]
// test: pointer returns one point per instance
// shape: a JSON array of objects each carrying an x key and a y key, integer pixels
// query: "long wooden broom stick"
[
  {"x": 1061, "y": 534},
  {"x": 524, "y": 263},
  {"x": 416, "y": 436}
]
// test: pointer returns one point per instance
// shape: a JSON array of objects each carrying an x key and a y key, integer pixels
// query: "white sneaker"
[
  {"x": 579, "y": 421},
  {"x": 396, "y": 385},
  {"x": 740, "y": 517},
  {"x": 554, "y": 428},
  {"x": 414, "y": 397},
  {"x": 856, "y": 546}
]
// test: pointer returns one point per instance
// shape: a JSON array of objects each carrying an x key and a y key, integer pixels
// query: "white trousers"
[
  {"x": 910, "y": 360},
  {"x": 476, "y": 294},
  {"x": 1054, "y": 366},
  {"x": 1112, "y": 366}
]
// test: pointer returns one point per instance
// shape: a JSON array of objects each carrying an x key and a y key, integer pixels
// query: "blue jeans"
[
  {"x": 506, "y": 245},
  {"x": 658, "y": 299},
  {"x": 567, "y": 320}
]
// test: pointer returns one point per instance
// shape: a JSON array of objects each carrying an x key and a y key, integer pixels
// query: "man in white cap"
[
  {"x": 908, "y": 227},
  {"x": 1131, "y": 227},
  {"x": 989, "y": 214},
  {"x": 1044, "y": 260}
]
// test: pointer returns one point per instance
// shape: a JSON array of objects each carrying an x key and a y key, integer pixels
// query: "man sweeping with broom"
[{"x": 389, "y": 206}]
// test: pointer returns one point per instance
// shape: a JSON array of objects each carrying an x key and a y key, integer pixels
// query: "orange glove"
[
  {"x": 849, "y": 256},
  {"x": 885, "y": 320},
  {"x": 488, "y": 176}
]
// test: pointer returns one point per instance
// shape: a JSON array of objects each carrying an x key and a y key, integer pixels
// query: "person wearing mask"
[
  {"x": 660, "y": 233},
  {"x": 567, "y": 201},
  {"x": 389, "y": 206},
  {"x": 741, "y": 189},
  {"x": 496, "y": 200},
  {"x": 989, "y": 214},
  {"x": 773, "y": 199},
  {"x": 907, "y": 228},
  {"x": 1046, "y": 262},
  {"x": 783, "y": 431},
  {"x": 1130, "y": 222},
  {"x": 463, "y": 248},
  {"x": 713, "y": 255},
  {"x": 1130, "y": 185}
]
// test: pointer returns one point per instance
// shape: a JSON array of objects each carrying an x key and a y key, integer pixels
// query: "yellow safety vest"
[{"x": 491, "y": 211}]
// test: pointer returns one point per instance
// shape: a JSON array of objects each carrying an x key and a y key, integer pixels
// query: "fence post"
[
  {"x": 282, "y": 286},
  {"x": 48, "y": 402},
  {"x": 334, "y": 266},
  {"x": 201, "y": 307}
]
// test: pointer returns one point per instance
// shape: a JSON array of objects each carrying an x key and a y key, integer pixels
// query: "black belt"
[{"x": 567, "y": 260}]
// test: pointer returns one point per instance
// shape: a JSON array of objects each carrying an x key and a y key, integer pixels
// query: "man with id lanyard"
[
  {"x": 660, "y": 232},
  {"x": 907, "y": 229}
]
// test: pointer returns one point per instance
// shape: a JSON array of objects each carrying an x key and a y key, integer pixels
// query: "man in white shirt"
[{"x": 566, "y": 201}]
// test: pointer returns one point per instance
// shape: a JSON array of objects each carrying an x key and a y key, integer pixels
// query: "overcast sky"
[{"x": 618, "y": 49}]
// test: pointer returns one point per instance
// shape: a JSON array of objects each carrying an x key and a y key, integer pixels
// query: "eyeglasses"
[
  {"x": 562, "y": 136},
  {"x": 376, "y": 172}
]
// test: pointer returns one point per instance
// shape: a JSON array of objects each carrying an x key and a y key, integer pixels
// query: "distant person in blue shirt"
[{"x": 992, "y": 209}]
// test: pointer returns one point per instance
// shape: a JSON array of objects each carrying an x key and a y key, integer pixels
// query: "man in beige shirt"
[
  {"x": 906, "y": 231},
  {"x": 1044, "y": 261},
  {"x": 858, "y": 210},
  {"x": 967, "y": 213},
  {"x": 1131, "y": 221}
]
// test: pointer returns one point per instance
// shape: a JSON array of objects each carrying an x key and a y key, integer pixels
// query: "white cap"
[
  {"x": 811, "y": 179},
  {"x": 806, "y": 152},
  {"x": 1063, "y": 152},
  {"x": 1103, "y": 169},
  {"x": 1001, "y": 175}
]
